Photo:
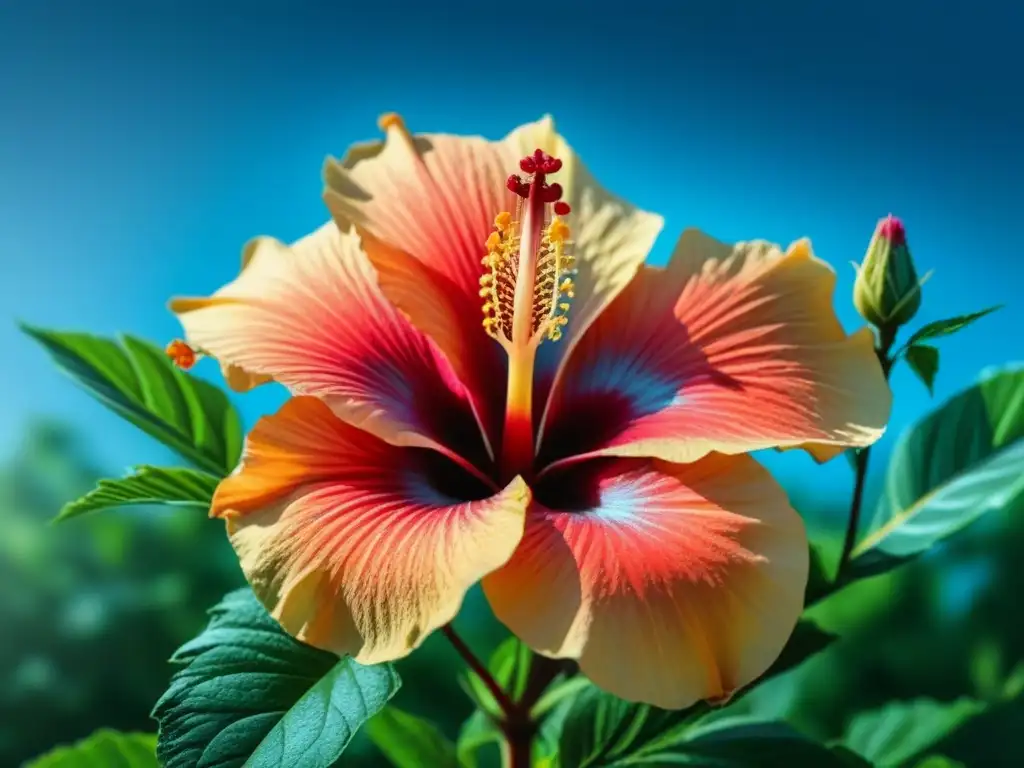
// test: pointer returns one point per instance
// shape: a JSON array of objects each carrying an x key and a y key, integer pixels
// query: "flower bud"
[{"x": 887, "y": 292}]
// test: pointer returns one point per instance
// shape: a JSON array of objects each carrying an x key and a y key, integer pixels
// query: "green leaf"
[
  {"x": 104, "y": 749},
  {"x": 807, "y": 640},
  {"x": 938, "y": 761},
  {"x": 901, "y": 731},
  {"x": 601, "y": 729},
  {"x": 750, "y": 744},
  {"x": 559, "y": 692},
  {"x": 409, "y": 741},
  {"x": 138, "y": 382},
  {"x": 960, "y": 462},
  {"x": 848, "y": 758},
  {"x": 818, "y": 582},
  {"x": 948, "y": 327},
  {"x": 511, "y": 665},
  {"x": 479, "y": 730},
  {"x": 599, "y": 726},
  {"x": 924, "y": 362},
  {"x": 602, "y": 732},
  {"x": 991, "y": 738},
  {"x": 148, "y": 485},
  {"x": 248, "y": 693}
]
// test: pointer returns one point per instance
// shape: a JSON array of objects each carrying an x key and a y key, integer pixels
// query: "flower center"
[{"x": 526, "y": 289}]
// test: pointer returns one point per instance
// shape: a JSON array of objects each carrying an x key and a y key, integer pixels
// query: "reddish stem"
[
  {"x": 516, "y": 725},
  {"x": 506, "y": 703}
]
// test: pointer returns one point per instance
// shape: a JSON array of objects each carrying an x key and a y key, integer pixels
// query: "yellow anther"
[
  {"x": 503, "y": 221},
  {"x": 564, "y": 306},
  {"x": 558, "y": 231},
  {"x": 493, "y": 241},
  {"x": 486, "y": 278},
  {"x": 567, "y": 288}
]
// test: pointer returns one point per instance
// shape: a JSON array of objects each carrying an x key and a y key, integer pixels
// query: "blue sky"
[{"x": 140, "y": 147}]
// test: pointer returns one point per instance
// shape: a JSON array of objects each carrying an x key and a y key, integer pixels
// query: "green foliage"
[
  {"x": 137, "y": 381},
  {"x": 478, "y": 732},
  {"x": 807, "y": 640},
  {"x": 923, "y": 359},
  {"x": 602, "y": 731},
  {"x": 409, "y": 741},
  {"x": 104, "y": 749},
  {"x": 947, "y": 327},
  {"x": 510, "y": 665},
  {"x": 250, "y": 694},
  {"x": 147, "y": 486},
  {"x": 819, "y": 584},
  {"x": 895, "y": 734},
  {"x": 924, "y": 362},
  {"x": 960, "y": 462},
  {"x": 91, "y": 611},
  {"x": 938, "y": 761}
]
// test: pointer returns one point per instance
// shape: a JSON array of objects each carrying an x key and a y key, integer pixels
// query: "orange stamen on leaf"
[{"x": 181, "y": 354}]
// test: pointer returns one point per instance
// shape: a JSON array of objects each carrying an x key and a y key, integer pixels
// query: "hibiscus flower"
[{"x": 489, "y": 384}]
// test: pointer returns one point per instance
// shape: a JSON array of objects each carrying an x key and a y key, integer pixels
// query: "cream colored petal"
[
  {"x": 348, "y": 541},
  {"x": 729, "y": 350},
  {"x": 310, "y": 316},
  {"x": 669, "y": 583}
]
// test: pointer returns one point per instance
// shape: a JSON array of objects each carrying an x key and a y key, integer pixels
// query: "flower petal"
[
  {"x": 728, "y": 350},
  {"x": 426, "y": 204},
  {"x": 670, "y": 583},
  {"x": 311, "y": 316},
  {"x": 354, "y": 545}
]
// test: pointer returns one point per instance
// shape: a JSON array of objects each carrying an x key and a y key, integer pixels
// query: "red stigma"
[
  {"x": 551, "y": 165},
  {"x": 891, "y": 228},
  {"x": 550, "y": 193},
  {"x": 518, "y": 186},
  {"x": 539, "y": 165},
  {"x": 562, "y": 209}
]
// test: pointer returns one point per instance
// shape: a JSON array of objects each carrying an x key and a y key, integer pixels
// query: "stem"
[
  {"x": 853, "y": 524},
  {"x": 517, "y": 751},
  {"x": 477, "y": 666},
  {"x": 516, "y": 724},
  {"x": 886, "y": 338}
]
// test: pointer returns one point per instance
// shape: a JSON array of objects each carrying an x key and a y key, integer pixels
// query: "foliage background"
[{"x": 140, "y": 146}]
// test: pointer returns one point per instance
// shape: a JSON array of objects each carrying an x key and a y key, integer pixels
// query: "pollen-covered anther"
[
  {"x": 181, "y": 354},
  {"x": 528, "y": 258},
  {"x": 558, "y": 231},
  {"x": 555, "y": 268},
  {"x": 497, "y": 284}
]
